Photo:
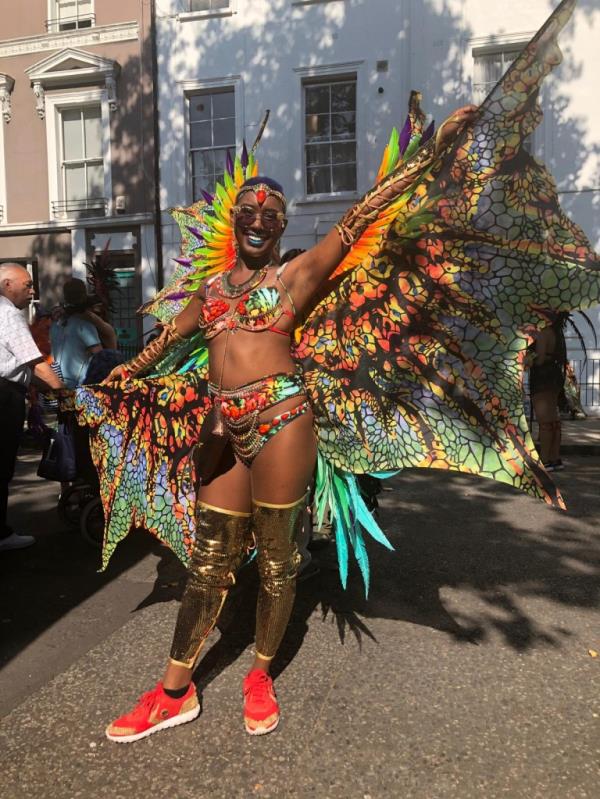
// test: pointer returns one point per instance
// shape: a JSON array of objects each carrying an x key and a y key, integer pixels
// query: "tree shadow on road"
[
  {"x": 472, "y": 559},
  {"x": 41, "y": 584}
]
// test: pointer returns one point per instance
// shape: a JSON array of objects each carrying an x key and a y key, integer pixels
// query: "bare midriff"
[
  {"x": 250, "y": 357},
  {"x": 238, "y": 357}
]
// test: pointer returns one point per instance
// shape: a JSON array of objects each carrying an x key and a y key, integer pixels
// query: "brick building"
[{"x": 76, "y": 145}]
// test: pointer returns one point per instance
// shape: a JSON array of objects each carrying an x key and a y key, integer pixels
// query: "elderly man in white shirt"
[{"x": 20, "y": 362}]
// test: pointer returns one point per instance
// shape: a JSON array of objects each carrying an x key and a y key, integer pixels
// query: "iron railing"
[
  {"x": 92, "y": 206},
  {"x": 60, "y": 24},
  {"x": 587, "y": 372}
]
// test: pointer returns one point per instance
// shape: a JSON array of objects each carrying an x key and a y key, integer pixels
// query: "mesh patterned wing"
[
  {"x": 142, "y": 432},
  {"x": 142, "y": 435},
  {"x": 416, "y": 356}
]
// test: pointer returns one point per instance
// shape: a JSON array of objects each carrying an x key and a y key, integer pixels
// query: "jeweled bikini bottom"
[{"x": 241, "y": 407}]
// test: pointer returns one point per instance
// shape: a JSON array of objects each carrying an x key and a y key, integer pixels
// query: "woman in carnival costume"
[{"x": 429, "y": 287}]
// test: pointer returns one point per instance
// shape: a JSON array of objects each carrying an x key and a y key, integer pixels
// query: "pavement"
[{"x": 468, "y": 672}]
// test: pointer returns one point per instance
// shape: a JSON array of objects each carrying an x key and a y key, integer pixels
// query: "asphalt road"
[{"x": 467, "y": 673}]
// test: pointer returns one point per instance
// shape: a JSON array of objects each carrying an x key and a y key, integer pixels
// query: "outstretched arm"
[
  {"x": 184, "y": 325},
  {"x": 310, "y": 269}
]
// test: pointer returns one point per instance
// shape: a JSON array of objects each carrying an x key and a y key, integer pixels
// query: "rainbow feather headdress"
[{"x": 207, "y": 239}]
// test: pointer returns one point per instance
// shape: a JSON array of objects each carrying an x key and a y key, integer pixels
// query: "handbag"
[{"x": 58, "y": 457}]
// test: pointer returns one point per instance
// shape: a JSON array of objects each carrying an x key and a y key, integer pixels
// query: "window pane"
[
  {"x": 317, "y": 99},
  {"x": 318, "y": 180},
  {"x": 66, "y": 8},
  {"x": 212, "y": 134},
  {"x": 220, "y": 158},
  {"x": 223, "y": 104},
  {"x": 208, "y": 5},
  {"x": 488, "y": 69},
  {"x": 75, "y": 182},
  {"x": 343, "y": 126},
  {"x": 95, "y": 180},
  {"x": 93, "y": 132},
  {"x": 317, "y": 127},
  {"x": 344, "y": 153},
  {"x": 344, "y": 178},
  {"x": 198, "y": 185},
  {"x": 200, "y": 134},
  {"x": 199, "y": 107},
  {"x": 203, "y": 163},
  {"x": 343, "y": 97},
  {"x": 318, "y": 154},
  {"x": 491, "y": 68},
  {"x": 223, "y": 131},
  {"x": 72, "y": 134}
]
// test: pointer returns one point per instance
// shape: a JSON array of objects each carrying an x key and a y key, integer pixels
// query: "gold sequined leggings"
[{"x": 222, "y": 539}]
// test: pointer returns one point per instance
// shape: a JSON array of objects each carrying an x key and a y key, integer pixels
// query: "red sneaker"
[
  {"x": 261, "y": 711},
  {"x": 154, "y": 711}
]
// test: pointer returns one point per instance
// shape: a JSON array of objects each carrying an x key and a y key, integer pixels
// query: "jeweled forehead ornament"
[{"x": 262, "y": 191}]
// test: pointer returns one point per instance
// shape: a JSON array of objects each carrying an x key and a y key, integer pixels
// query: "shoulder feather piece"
[
  {"x": 207, "y": 239},
  {"x": 399, "y": 149}
]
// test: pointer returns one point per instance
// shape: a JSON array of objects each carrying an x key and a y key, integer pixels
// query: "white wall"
[{"x": 266, "y": 46}]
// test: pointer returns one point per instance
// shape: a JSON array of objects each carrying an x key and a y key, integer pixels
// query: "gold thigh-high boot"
[
  {"x": 275, "y": 528},
  {"x": 222, "y": 537}
]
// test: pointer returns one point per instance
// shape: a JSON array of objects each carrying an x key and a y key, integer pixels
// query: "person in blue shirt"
[{"x": 74, "y": 339}]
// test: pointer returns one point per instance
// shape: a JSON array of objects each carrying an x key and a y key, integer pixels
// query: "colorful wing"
[
  {"x": 400, "y": 148},
  {"x": 416, "y": 357},
  {"x": 142, "y": 434}
]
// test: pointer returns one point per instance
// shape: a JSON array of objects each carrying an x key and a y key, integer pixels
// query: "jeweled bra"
[{"x": 256, "y": 310}]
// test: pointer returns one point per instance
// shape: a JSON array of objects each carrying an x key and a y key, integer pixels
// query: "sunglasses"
[{"x": 246, "y": 215}]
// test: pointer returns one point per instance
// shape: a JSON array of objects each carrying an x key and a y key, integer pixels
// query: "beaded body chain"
[{"x": 249, "y": 305}]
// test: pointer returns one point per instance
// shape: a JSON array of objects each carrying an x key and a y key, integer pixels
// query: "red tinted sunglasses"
[{"x": 246, "y": 215}]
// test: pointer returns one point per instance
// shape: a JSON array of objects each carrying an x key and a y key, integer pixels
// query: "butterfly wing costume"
[{"x": 414, "y": 354}]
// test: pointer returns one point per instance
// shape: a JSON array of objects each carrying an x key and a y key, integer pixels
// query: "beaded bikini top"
[{"x": 256, "y": 310}]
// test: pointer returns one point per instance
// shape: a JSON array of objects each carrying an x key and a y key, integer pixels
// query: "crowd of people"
[{"x": 64, "y": 348}]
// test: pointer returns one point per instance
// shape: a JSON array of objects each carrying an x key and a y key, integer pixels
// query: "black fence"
[{"x": 587, "y": 372}]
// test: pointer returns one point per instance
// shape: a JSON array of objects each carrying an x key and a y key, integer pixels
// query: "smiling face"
[
  {"x": 258, "y": 227},
  {"x": 16, "y": 284}
]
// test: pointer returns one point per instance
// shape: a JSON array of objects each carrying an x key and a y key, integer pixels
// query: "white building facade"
[{"x": 336, "y": 76}]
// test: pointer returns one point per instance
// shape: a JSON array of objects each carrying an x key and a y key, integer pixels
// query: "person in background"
[
  {"x": 74, "y": 338},
  {"x": 570, "y": 401},
  {"x": 110, "y": 356},
  {"x": 20, "y": 361},
  {"x": 97, "y": 314},
  {"x": 546, "y": 381}
]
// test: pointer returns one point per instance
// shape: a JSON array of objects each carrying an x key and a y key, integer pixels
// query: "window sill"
[
  {"x": 191, "y": 16},
  {"x": 318, "y": 199}
]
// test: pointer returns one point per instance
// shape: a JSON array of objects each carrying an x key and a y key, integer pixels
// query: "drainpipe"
[{"x": 156, "y": 151}]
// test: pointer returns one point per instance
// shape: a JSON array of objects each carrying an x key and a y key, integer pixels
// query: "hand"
[
  {"x": 455, "y": 123},
  {"x": 116, "y": 375}
]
